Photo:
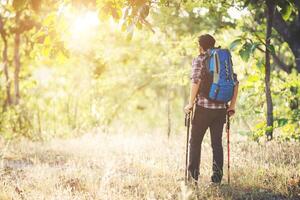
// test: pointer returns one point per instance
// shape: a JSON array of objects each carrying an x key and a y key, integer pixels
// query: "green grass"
[{"x": 123, "y": 166}]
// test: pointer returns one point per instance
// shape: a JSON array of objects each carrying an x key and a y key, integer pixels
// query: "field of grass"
[{"x": 123, "y": 166}]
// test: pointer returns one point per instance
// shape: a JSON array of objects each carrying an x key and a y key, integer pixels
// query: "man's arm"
[
  {"x": 234, "y": 98},
  {"x": 193, "y": 93},
  {"x": 195, "y": 78}
]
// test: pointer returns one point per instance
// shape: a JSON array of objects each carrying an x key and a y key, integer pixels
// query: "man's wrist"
[{"x": 232, "y": 106}]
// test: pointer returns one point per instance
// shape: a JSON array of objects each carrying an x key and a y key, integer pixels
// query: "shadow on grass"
[{"x": 226, "y": 191}]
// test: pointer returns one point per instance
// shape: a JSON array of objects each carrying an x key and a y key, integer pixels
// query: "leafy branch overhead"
[
  {"x": 287, "y": 24},
  {"x": 19, "y": 5},
  {"x": 131, "y": 13}
]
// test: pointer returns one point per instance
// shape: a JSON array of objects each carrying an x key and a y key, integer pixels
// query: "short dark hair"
[{"x": 206, "y": 41}]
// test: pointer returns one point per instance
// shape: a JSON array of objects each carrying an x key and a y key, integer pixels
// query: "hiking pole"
[
  {"x": 228, "y": 141},
  {"x": 228, "y": 145},
  {"x": 187, "y": 122}
]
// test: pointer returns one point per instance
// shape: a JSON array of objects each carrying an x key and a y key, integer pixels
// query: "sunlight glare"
[
  {"x": 235, "y": 13},
  {"x": 84, "y": 23},
  {"x": 82, "y": 29}
]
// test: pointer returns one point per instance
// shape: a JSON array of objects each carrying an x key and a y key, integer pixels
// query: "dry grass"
[{"x": 101, "y": 166}]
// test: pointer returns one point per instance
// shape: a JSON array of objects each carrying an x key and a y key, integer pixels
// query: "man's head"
[{"x": 206, "y": 41}]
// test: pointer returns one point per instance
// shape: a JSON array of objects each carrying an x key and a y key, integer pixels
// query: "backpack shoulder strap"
[
  {"x": 230, "y": 64},
  {"x": 216, "y": 69}
]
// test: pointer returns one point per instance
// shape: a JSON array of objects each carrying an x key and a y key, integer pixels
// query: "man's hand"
[
  {"x": 188, "y": 108},
  {"x": 231, "y": 110}
]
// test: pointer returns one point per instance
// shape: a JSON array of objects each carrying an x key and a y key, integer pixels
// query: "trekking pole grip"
[{"x": 187, "y": 119}]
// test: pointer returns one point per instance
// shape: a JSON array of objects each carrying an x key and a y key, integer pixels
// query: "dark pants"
[{"x": 213, "y": 119}]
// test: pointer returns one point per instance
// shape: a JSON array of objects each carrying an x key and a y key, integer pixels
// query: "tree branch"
[
  {"x": 297, "y": 3},
  {"x": 276, "y": 58},
  {"x": 279, "y": 63}
]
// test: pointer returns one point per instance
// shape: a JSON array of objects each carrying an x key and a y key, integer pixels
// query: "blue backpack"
[{"x": 220, "y": 66}]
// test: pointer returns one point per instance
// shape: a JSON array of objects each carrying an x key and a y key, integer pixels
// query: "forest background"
[
  {"x": 92, "y": 95},
  {"x": 72, "y": 66}
]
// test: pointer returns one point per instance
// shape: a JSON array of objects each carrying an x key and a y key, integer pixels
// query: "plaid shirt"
[{"x": 198, "y": 67}]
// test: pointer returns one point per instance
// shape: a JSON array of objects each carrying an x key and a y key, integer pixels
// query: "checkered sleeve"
[
  {"x": 197, "y": 70},
  {"x": 235, "y": 79}
]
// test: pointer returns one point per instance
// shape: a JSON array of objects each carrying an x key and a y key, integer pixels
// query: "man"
[{"x": 208, "y": 114}]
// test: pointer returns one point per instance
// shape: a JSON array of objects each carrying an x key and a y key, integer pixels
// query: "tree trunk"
[
  {"x": 295, "y": 40},
  {"x": 17, "y": 60},
  {"x": 289, "y": 32},
  {"x": 8, "y": 100},
  {"x": 295, "y": 47},
  {"x": 298, "y": 60},
  {"x": 270, "y": 13},
  {"x": 169, "y": 113}
]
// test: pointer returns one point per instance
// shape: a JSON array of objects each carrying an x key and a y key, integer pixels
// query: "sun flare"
[
  {"x": 84, "y": 23},
  {"x": 81, "y": 28}
]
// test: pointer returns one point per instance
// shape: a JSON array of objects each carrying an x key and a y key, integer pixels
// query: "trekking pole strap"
[
  {"x": 228, "y": 141},
  {"x": 187, "y": 124},
  {"x": 188, "y": 118}
]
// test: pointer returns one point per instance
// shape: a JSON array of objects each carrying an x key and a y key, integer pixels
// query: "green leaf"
[
  {"x": 254, "y": 46},
  {"x": 260, "y": 63},
  {"x": 49, "y": 20},
  {"x": 47, "y": 41},
  {"x": 271, "y": 48},
  {"x": 123, "y": 26},
  {"x": 36, "y": 5},
  {"x": 139, "y": 25},
  {"x": 163, "y": 2},
  {"x": 116, "y": 14},
  {"x": 269, "y": 128},
  {"x": 46, "y": 51},
  {"x": 19, "y": 4},
  {"x": 257, "y": 112},
  {"x": 235, "y": 43},
  {"x": 261, "y": 35},
  {"x": 245, "y": 55},
  {"x": 253, "y": 78},
  {"x": 282, "y": 121},
  {"x": 245, "y": 51},
  {"x": 287, "y": 11}
]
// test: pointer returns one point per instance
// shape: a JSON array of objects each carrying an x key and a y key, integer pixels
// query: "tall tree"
[
  {"x": 286, "y": 22},
  {"x": 17, "y": 58},
  {"x": 18, "y": 14},
  {"x": 3, "y": 33},
  {"x": 270, "y": 12}
]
